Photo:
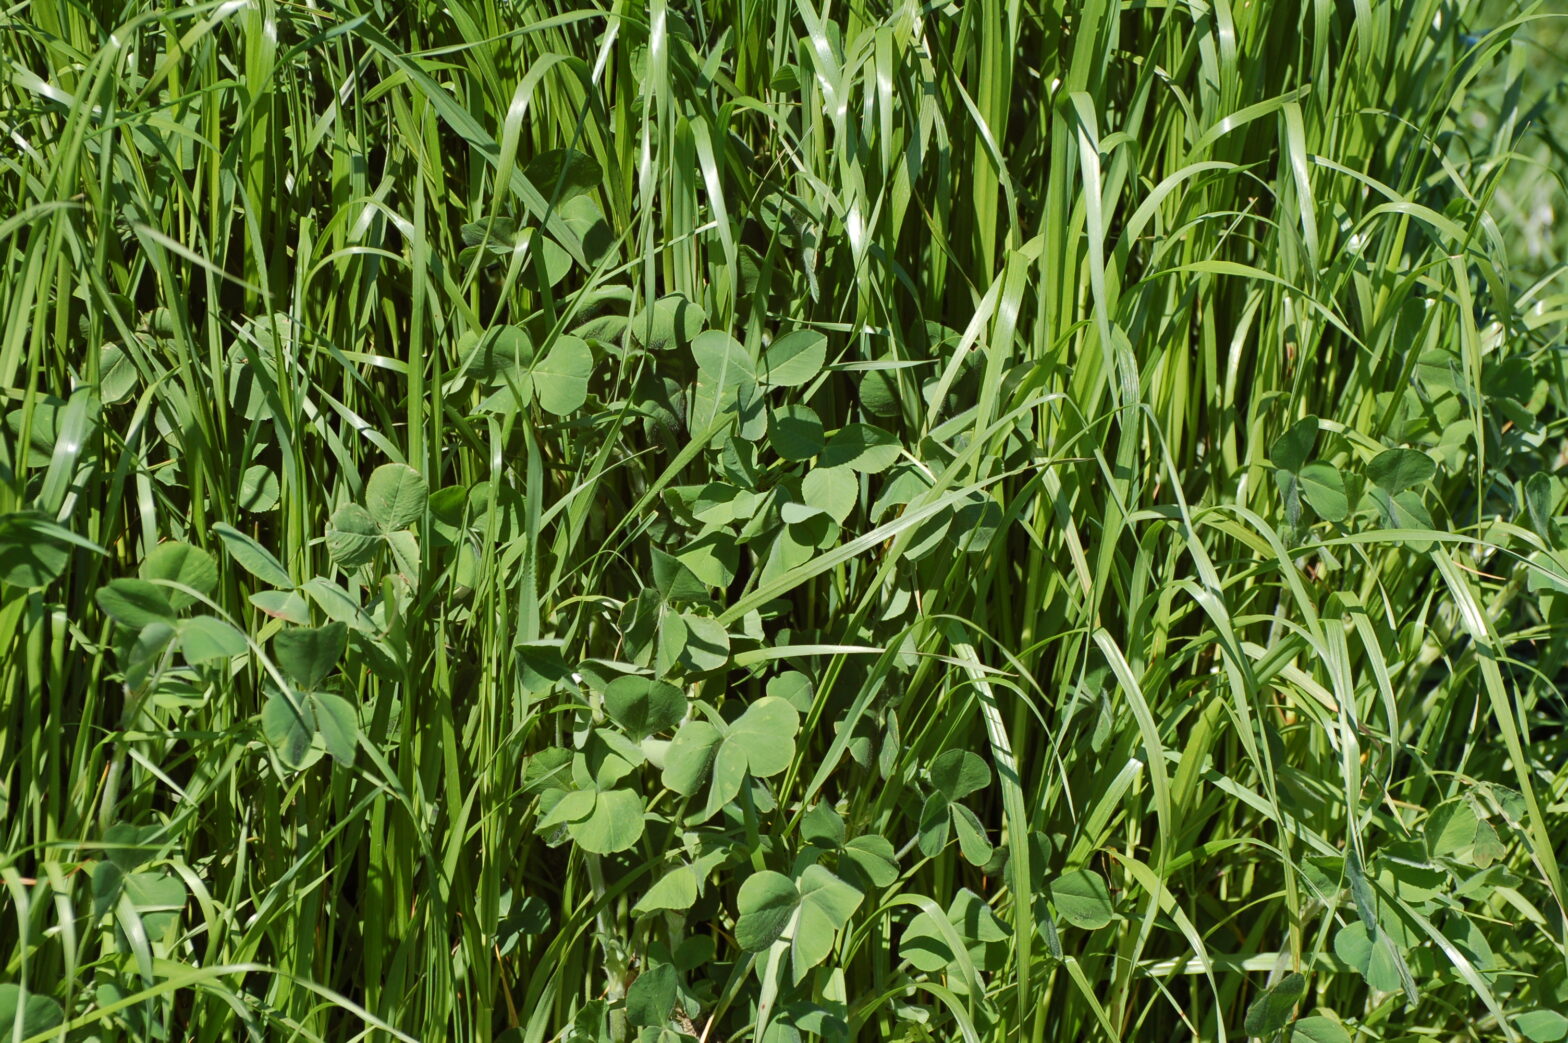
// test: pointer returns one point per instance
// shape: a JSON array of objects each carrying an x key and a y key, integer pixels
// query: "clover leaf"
[
  {"x": 761, "y": 743},
  {"x": 1271, "y": 1011},
  {"x": 954, "y": 775},
  {"x": 598, "y": 815},
  {"x": 642, "y": 706},
  {"x": 1083, "y": 899},
  {"x": 808, "y": 912}
]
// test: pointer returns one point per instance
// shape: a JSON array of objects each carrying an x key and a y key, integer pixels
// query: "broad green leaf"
[
  {"x": 673, "y": 580},
  {"x": 723, "y": 360},
  {"x": 794, "y": 688},
  {"x": 615, "y": 824},
  {"x": 651, "y": 997},
  {"x": 1403, "y": 510},
  {"x": 689, "y": 756},
  {"x": 1083, "y": 899},
  {"x": 306, "y": 655},
  {"x": 205, "y": 638},
  {"x": 823, "y": 826},
  {"x": 670, "y": 322},
  {"x": 874, "y": 857},
  {"x": 1323, "y": 487},
  {"x": 642, "y": 706},
  {"x": 395, "y": 497},
  {"x": 707, "y": 644},
  {"x": 1318, "y": 1029},
  {"x": 352, "y": 535},
  {"x": 130, "y": 846},
  {"x": 1451, "y": 829},
  {"x": 259, "y": 490},
  {"x": 766, "y": 903},
  {"x": 561, "y": 377},
  {"x": 1373, "y": 957},
  {"x": 495, "y": 233},
  {"x": 924, "y": 945},
  {"x": 1396, "y": 470},
  {"x": 569, "y": 806},
  {"x": 117, "y": 379},
  {"x": 605, "y": 759},
  {"x": 542, "y": 666},
  {"x": 32, "y": 1013},
  {"x": 935, "y": 823},
  {"x": 861, "y": 447},
  {"x": 766, "y": 732},
  {"x": 1271, "y": 1011},
  {"x": 146, "y": 652},
  {"x": 833, "y": 489},
  {"x": 794, "y": 358},
  {"x": 795, "y": 432},
  {"x": 158, "y": 898},
  {"x": 713, "y": 559},
  {"x": 252, "y": 556},
  {"x": 1542, "y": 1026},
  {"x": 290, "y": 726},
  {"x": 675, "y": 890},
  {"x": 338, "y": 724},
  {"x": 502, "y": 354},
  {"x": 183, "y": 564},
  {"x": 1292, "y": 449},
  {"x": 879, "y": 393},
  {"x": 826, "y": 905},
  {"x": 404, "y": 546},
  {"x": 972, "y": 841},
  {"x": 134, "y": 603},
  {"x": 31, "y": 553},
  {"x": 550, "y": 767},
  {"x": 957, "y": 773},
  {"x": 337, "y": 604},
  {"x": 562, "y": 173}
]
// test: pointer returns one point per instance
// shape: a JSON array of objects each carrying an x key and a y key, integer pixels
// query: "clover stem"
[{"x": 614, "y": 955}]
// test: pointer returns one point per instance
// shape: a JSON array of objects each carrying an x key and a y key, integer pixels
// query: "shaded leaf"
[
  {"x": 1318, "y": 1029},
  {"x": 37, "y": 1014},
  {"x": 1396, "y": 470},
  {"x": 134, "y": 603},
  {"x": 651, "y": 997},
  {"x": 352, "y": 536},
  {"x": 1271, "y": 1011},
  {"x": 183, "y": 564},
  {"x": 1292, "y": 449},
  {"x": 863, "y": 448},
  {"x": 306, "y": 655},
  {"x": 642, "y": 706},
  {"x": 252, "y": 556},
  {"x": 562, "y": 173},
  {"x": 1323, "y": 487},
  {"x": 206, "y": 638},
  {"x": 1083, "y": 899}
]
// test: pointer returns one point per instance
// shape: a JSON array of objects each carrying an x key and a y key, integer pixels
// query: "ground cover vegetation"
[{"x": 987, "y": 521}]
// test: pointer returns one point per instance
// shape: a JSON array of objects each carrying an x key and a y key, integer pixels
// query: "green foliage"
[{"x": 782, "y": 522}]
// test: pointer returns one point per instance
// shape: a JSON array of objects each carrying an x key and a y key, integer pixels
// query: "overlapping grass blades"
[{"x": 994, "y": 521}]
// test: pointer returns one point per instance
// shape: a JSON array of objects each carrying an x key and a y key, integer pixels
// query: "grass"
[{"x": 996, "y": 522}]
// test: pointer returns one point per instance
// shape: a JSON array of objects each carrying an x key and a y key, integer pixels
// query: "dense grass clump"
[{"x": 742, "y": 521}]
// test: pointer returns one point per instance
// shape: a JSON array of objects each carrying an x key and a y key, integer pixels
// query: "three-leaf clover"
[
  {"x": 954, "y": 775},
  {"x": 601, "y": 817},
  {"x": 760, "y": 743},
  {"x": 808, "y": 912},
  {"x": 300, "y": 721},
  {"x": 395, "y": 499}
]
